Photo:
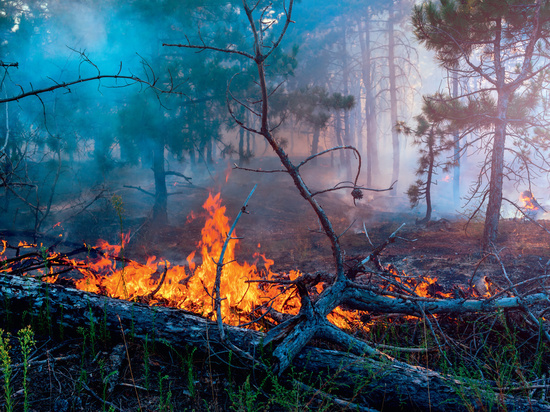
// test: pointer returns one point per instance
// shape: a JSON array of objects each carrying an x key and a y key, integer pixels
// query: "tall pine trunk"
[
  {"x": 456, "y": 155},
  {"x": 393, "y": 98},
  {"x": 492, "y": 215},
  {"x": 339, "y": 138},
  {"x": 346, "y": 114},
  {"x": 160, "y": 207},
  {"x": 370, "y": 117},
  {"x": 315, "y": 142}
]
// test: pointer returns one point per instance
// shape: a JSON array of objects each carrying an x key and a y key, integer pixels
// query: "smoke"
[{"x": 104, "y": 133}]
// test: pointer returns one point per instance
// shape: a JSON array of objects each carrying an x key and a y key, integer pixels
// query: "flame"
[
  {"x": 191, "y": 288},
  {"x": 528, "y": 201},
  {"x": 489, "y": 287},
  {"x": 228, "y": 173},
  {"x": 191, "y": 217},
  {"x": 447, "y": 178},
  {"x": 25, "y": 245}
]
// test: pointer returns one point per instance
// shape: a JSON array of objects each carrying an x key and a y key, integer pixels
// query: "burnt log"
[
  {"x": 368, "y": 380},
  {"x": 397, "y": 386},
  {"x": 69, "y": 308}
]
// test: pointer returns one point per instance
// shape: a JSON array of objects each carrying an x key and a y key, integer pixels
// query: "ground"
[{"x": 72, "y": 373}]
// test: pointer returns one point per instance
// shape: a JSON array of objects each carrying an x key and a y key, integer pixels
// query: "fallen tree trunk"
[{"x": 377, "y": 383}]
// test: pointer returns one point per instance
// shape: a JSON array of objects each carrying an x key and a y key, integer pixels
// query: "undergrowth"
[
  {"x": 497, "y": 353},
  {"x": 94, "y": 371}
]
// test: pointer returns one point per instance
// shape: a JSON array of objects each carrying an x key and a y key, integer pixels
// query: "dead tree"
[
  {"x": 293, "y": 335},
  {"x": 376, "y": 380},
  {"x": 290, "y": 337}
]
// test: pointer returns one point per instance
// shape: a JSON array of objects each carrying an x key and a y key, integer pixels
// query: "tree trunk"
[
  {"x": 396, "y": 386},
  {"x": 339, "y": 139},
  {"x": 492, "y": 215},
  {"x": 370, "y": 116},
  {"x": 387, "y": 384},
  {"x": 429, "y": 177},
  {"x": 241, "y": 146},
  {"x": 393, "y": 98},
  {"x": 315, "y": 142},
  {"x": 209, "y": 152},
  {"x": 192, "y": 156},
  {"x": 160, "y": 208},
  {"x": 456, "y": 156},
  {"x": 345, "y": 114}
]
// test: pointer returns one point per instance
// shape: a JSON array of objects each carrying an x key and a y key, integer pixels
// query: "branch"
[
  {"x": 374, "y": 254},
  {"x": 140, "y": 189},
  {"x": 205, "y": 47},
  {"x": 65, "y": 85},
  {"x": 219, "y": 266},
  {"x": 340, "y": 186},
  {"x": 367, "y": 300},
  {"x": 172, "y": 173},
  {"x": 235, "y": 166}
]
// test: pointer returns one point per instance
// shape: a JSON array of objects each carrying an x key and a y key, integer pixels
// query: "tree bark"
[
  {"x": 315, "y": 142},
  {"x": 160, "y": 207},
  {"x": 492, "y": 216},
  {"x": 387, "y": 384},
  {"x": 429, "y": 176},
  {"x": 346, "y": 115},
  {"x": 395, "y": 386},
  {"x": 370, "y": 115},
  {"x": 393, "y": 97},
  {"x": 456, "y": 154}
]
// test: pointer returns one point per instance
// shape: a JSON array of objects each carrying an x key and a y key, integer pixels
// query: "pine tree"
[
  {"x": 432, "y": 141},
  {"x": 501, "y": 46}
]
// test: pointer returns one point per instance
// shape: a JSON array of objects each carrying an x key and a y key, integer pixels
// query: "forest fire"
[
  {"x": 190, "y": 287},
  {"x": 529, "y": 205},
  {"x": 528, "y": 201}
]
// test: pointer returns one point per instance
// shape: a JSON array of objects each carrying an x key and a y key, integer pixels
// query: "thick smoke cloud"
[{"x": 101, "y": 130}]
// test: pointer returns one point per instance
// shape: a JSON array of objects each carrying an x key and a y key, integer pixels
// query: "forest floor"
[{"x": 73, "y": 373}]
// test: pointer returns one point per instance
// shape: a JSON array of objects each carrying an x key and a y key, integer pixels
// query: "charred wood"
[{"x": 369, "y": 381}]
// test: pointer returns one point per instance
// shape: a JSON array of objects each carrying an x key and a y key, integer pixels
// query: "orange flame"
[
  {"x": 191, "y": 287},
  {"x": 228, "y": 173},
  {"x": 528, "y": 200}
]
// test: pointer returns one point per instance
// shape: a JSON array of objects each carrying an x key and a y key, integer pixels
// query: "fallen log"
[{"x": 377, "y": 383}]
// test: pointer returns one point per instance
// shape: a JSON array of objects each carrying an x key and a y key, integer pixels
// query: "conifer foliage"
[
  {"x": 499, "y": 49},
  {"x": 432, "y": 140}
]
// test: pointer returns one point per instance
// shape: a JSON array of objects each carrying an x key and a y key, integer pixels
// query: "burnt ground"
[
  {"x": 283, "y": 224},
  {"x": 288, "y": 231}
]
